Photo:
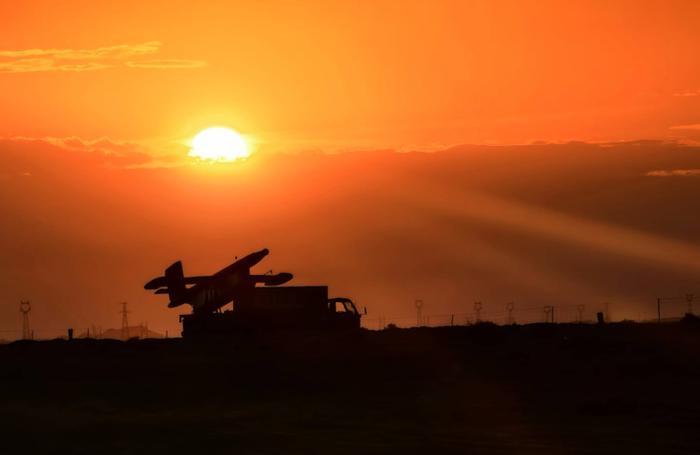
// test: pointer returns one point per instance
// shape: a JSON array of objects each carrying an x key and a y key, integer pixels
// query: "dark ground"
[{"x": 620, "y": 388}]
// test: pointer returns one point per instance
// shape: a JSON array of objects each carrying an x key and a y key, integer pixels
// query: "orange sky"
[
  {"x": 342, "y": 75},
  {"x": 97, "y": 100}
]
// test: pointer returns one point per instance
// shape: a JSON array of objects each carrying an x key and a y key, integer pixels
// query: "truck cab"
[{"x": 343, "y": 313}]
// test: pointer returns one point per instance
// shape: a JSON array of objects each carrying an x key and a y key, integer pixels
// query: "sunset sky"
[
  {"x": 581, "y": 117},
  {"x": 309, "y": 75}
]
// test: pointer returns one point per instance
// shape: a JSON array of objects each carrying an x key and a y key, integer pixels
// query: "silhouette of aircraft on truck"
[
  {"x": 211, "y": 292},
  {"x": 254, "y": 307}
]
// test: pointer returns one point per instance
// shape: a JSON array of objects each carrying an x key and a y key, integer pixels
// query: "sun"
[{"x": 219, "y": 144}]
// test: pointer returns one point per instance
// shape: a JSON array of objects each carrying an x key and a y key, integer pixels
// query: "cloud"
[
  {"x": 77, "y": 60},
  {"x": 167, "y": 63},
  {"x": 687, "y": 93},
  {"x": 105, "y": 150},
  {"x": 693, "y": 126},
  {"x": 109, "y": 52},
  {"x": 31, "y": 65},
  {"x": 674, "y": 173}
]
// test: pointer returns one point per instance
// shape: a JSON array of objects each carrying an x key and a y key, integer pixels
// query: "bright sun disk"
[{"x": 219, "y": 144}]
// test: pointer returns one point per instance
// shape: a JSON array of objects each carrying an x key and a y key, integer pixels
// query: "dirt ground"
[{"x": 545, "y": 389}]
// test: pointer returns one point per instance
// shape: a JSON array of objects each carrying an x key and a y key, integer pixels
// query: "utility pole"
[
  {"x": 477, "y": 311},
  {"x": 688, "y": 298},
  {"x": 24, "y": 308},
  {"x": 125, "y": 322},
  {"x": 549, "y": 313}
]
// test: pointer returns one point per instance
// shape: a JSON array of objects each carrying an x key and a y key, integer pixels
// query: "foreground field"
[{"x": 619, "y": 388}]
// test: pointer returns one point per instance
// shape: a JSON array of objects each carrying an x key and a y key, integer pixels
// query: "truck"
[
  {"x": 277, "y": 308},
  {"x": 260, "y": 302}
]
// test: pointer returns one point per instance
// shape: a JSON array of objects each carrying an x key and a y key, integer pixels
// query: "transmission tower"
[
  {"x": 125, "y": 321},
  {"x": 477, "y": 311},
  {"x": 509, "y": 307},
  {"x": 419, "y": 313},
  {"x": 689, "y": 298},
  {"x": 24, "y": 308}
]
